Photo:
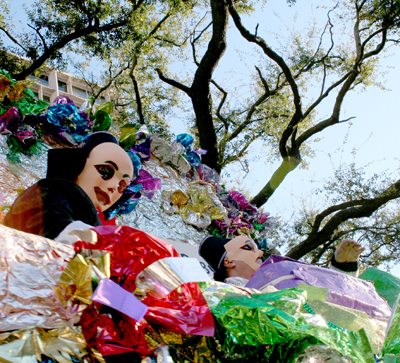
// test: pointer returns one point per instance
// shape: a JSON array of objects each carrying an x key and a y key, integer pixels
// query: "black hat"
[
  {"x": 69, "y": 163},
  {"x": 212, "y": 249}
]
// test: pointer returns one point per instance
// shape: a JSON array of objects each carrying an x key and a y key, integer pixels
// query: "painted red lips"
[{"x": 102, "y": 197}]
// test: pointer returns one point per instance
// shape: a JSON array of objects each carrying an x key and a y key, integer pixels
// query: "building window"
[
  {"x": 36, "y": 94},
  {"x": 62, "y": 86},
  {"x": 46, "y": 98},
  {"x": 43, "y": 79},
  {"x": 79, "y": 92}
]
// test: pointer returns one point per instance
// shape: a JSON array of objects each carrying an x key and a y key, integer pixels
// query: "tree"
[
  {"x": 278, "y": 99},
  {"x": 60, "y": 25},
  {"x": 346, "y": 193},
  {"x": 277, "y": 110},
  {"x": 338, "y": 69}
]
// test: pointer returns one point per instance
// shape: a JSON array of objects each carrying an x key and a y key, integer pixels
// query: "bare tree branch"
[
  {"x": 345, "y": 211},
  {"x": 173, "y": 83},
  {"x": 223, "y": 99},
  {"x": 12, "y": 38}
]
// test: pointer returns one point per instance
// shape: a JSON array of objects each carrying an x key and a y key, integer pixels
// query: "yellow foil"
[{"x": 61, "y": 344}]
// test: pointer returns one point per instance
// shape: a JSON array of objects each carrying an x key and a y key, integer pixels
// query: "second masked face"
[
  {"x": 107, "y": 172},
  {"x": 243, "y": 248}
]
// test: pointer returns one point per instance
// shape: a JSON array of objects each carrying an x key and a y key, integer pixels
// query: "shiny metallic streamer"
[
  {"x": 160, "y": 278},
  {"x": 262, "y": 320},
  {"x": 30, "y": 266}
]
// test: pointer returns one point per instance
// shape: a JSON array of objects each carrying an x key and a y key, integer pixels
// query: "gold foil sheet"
[{"x": 62, "y": 344}]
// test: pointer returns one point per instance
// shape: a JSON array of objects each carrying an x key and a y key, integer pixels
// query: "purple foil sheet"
[
  {"x": 30, "y": 268},
  {"x": 283, "y": 272}
]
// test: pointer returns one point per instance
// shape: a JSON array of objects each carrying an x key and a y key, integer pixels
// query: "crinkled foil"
[
  {"x": 349, "y": 319},
  {"x": 322, "y": 354},
  {"x": 64, "y": 345},
  {"x": 266, "y": 323},
  {"x": 30, "y": 266},
  {"x": 163, "y": 276},
  {"x": 392, "y": 342},
  {"x": 148, "y": 216},
  {"x": 16, "y": 177}
]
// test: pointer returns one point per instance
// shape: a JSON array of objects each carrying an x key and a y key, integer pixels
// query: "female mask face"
[
  {"x": 107, "y": 172},
  {"x": 243, "y": 248}
]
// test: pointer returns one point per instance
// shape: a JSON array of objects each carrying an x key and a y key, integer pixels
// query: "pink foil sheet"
[{"x": 30, "y": 266}]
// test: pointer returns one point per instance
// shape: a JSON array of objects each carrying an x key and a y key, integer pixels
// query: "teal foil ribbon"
[{"x": 272, "y": 327}]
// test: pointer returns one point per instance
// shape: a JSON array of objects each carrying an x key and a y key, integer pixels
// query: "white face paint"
[
  {"x": 107, "y": 172},
  {"x": 243, "y": 248}
]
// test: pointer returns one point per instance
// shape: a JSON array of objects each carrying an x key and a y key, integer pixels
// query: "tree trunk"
[{"x": 200, "y": 89}]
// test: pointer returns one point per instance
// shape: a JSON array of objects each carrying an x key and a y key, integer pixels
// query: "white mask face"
[
  {"x": 243, "y": 248},
  {"x": 107, "y": 172}
]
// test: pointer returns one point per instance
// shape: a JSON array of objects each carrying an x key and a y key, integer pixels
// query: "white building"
[{"x": 56, "y": 83}]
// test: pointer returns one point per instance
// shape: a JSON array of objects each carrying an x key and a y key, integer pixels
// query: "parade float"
[{"x": 126, "y": 294}]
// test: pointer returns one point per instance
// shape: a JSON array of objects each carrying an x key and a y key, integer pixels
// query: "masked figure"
[
  {"x": 79, "y": 183},
  {"x": 235, "y": 260}
]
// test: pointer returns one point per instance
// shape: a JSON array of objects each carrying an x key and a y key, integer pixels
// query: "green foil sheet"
[
  {"x": 390, "y": 358},
  {"x": 106, "y": 107},
  {"x": 392, "y": 341},
  {"x": 347, "y": 318},
  {"x": 315, "y": 293},
  {"x": 387, "y": 285},
  {"x": 102, "y": 121},
  {"x": 128, "y": 135},
  {"x": 27, "y": 105},
  {"x": 270, "y": 326}
]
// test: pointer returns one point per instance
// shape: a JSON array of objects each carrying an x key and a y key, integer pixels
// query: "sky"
[{"x": 373, "y": 133}]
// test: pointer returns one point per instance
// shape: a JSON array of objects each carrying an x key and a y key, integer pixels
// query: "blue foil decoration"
[
  {"x": 67, "y": 118},
  {"x": 137, "y": 164},
  {"x": 185, "y": 139}
]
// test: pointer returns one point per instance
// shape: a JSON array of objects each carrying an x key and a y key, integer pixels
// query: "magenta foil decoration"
[
  {"x": 149, "y": 183},
  {"x": 244, "y": 205},
  {"x": 64, "y": 100},
  {"x": 10, "y": 115}
]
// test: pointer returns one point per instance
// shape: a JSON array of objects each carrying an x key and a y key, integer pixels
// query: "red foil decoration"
[{"x": 184, "y": 310}]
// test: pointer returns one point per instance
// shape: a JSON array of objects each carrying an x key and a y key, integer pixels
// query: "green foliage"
[
  {"x": 380, "y": 233},
  {"x": 280, "y": 108},
  {"x": 93, "y": 28}
]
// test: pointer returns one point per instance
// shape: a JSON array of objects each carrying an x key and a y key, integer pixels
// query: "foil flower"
[
  {"x": 192, "y": 156},
  {"x": 63, "y": 100},
  {"x": 170, "y": 153}
]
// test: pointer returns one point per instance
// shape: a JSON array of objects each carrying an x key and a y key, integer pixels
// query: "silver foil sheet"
[
  {"x": 30, "y": 268},
  {"x": 165, "y": 275},
  {"x": 149, "y": 215},
  {"x": 322, "y": 354},
  {"x": 18, "y": 176}
]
